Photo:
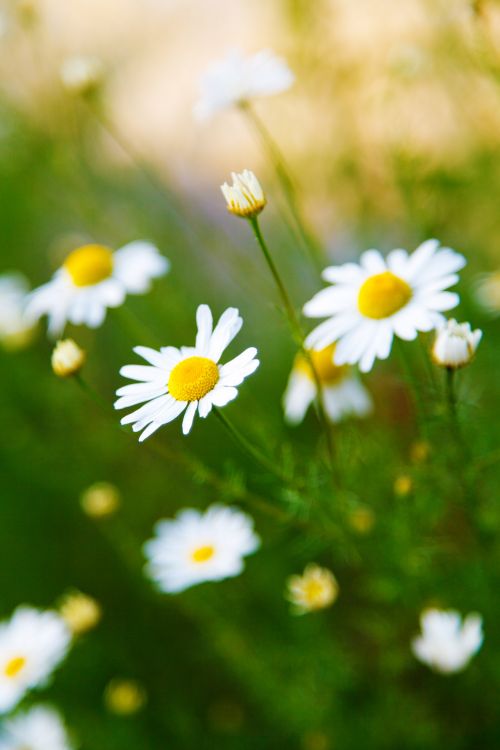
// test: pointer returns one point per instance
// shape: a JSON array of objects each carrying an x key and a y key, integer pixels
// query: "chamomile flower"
[
  {"x": 197, "y": 547},
  {"x": 447, "y": 644},
  {"x": 40, "y": 728},
  {"x": 378, "y": 299},
  {"x": 16, "y": 330},
  {"x": 237, "y": 79},
  {"x": 245, "y": 197},
  {"x": 455, "y": 345},
  {"x": 93, "y": 278},
  {"x": 189, "y": 379},
  {"x": 316, "y": 588},
  {"x": 343, "y": 393},
  {"x": 32, "y": 644}
]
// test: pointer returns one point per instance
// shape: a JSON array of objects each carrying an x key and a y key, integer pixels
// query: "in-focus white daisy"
[
  {"x": 188, "y": 379},
  {"x": 32, "y": 644},
  {"x": 377, "y": 299},
  {"x": 197, "y": 547},
  {"x": 343, "y": 393},
  {"x": 16, "y": 330},
  {"x": 40, "y": 728},
  {"x": 93, "y": 278},
  {"x": 455, "y": 345},
  {"x": 447, "y": 644},
  {"x": 236, "y": 79}
]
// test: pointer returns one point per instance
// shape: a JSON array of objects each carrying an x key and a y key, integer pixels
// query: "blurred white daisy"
[
  {"x": 316, "y": 588},
  {"x": 40, "y": 728},
  {"x": 197, "y": 547},
  {"x": 93, "y": 278},
  {"x": 188, "y": 379},
  {"x": 455, "y": 344},
  {"x": 379, "y": 298},
  {"x": 488, "y": 292},
  {"x": 32, "y": 644},
  {"x": 447, "y": 644},
  {"x": 236, "y": 79},
  {"x": 16, "y": 330},
  {"x": 343, "y": 393}
]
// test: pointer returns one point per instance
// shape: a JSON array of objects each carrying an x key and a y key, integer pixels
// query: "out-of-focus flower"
[
  {"x": 362, "y": 520},
  {"x": 419, "y": 451},
  {"x": 188, "y": 379},
  {"x": 32, "y": 645},
  {"x": 343, "y": 393},
  {"x": 245, "y": 197},
  {"x": 237, "y": 79},
  {"x": 93, "y": 278},
  {"x": 27, "y": 11},
  {"x": 446, "y": 644},
  {"x": 81, "y": 75},
  {"x": 403, "y": 485},
  {"x": 378, "y": 299},
  {"x": 80, "y": 612},
  {"x": 124, "y": 697},
  {"x": 488, "y": 292},
  {"x": 316, "y": 588},
  {"x": 197, "y": 547},
  {"x": 16, "y": 330},
  {"x": 100, "y": 499},
  {"x": 455, "y": 345},
  {"x": 67, "y": 358},
  {"x": 40, "y": 728}
]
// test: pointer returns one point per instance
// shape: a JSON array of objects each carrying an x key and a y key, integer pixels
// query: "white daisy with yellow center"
[
  {"x": 238, "y": 79},
  {"x": 197, "y": 547},
  {"x": 343, "y": 393},
  {"x": 447, "y": 643},
  {"x": 316, "y": 588},
  {"x": 93, "y": 278},
  {"x": 32, "y": 644},
  {"x": 40, "y": 728},
  {"x": 378, "y": 299},
  {"x": 189, "y": 379}
]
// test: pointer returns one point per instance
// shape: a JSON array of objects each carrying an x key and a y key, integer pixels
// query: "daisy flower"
[
  {"x": 316, "y": 588},
  {"x": 16, "y": 330},
  {"x": 40, "y": 728},
  {"x": 245, "y": 197},
  {"x": 455, "y": 345},
  {"x": 447, "y": 644},
  {"x": 93, "y": 278},
  {"x": 197, "y": 547},
  {"x": 188, "y": 379},
  {"x": 32, "y": 644},
  {"x": 237, "y": 79},
  {"x": 343, "y": 393},
  {"x": 378, "y": 299}
]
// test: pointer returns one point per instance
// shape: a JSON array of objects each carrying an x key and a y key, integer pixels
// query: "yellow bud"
[
  {"x": 362, "y": 520},
  {"x": 124, "y": 697},
  {"x": 67, "y": 358},
  {"x": 81, "y": 612},
  {"x": 419, "y": 451},
  {"x": 403, "y": 485},
  {"x": 100, "y": 499}
]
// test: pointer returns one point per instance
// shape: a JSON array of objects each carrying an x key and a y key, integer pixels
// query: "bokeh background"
[{"x": 392, "y": 134}]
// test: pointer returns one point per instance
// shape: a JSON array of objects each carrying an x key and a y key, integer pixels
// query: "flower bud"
[
  {"x": 245, "y": 197},
  {"x": 100, "y": 499},
  {"x": 124, "y": 697},
  {"x": 80, "y": 612},
  {"x": 455, "y": 345},
  {"x": 315, "y": 589},
  {"x": 67, "y": 358},
  {"x": 81, "y": 75}
]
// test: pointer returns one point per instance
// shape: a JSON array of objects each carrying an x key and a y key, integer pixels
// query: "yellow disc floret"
[
  {"x": 193, "y": 378},
  {"x": 203, "y": 554},
  {"x": 89, "y": 264},
  {"x": 322, "y": 361},
  {"x": 14, "y": 666},
  {"x": 383, "y": 295}
]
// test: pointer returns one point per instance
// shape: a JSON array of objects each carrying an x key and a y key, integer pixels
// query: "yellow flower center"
[
  {"x": 89, "y": 264},
  {"x": 327, "y": 372},
  {"x": 193, "y": 378},
  {"x": 383, "y": 295},
  {"x": 314, "y": 592},
  {"x": 203, "y": 554},
  {"x": 14, "y": 666}
]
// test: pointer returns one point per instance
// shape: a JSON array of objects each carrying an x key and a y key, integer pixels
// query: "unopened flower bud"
[
  {"x": 245, "y": 197},
  {"x": 67, "y": 358},
  {"x": 80, "y": 612},
  {"x": 455, "y": 345}
]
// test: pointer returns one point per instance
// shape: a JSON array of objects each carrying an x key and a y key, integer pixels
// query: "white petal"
[
  {"x": 187, "y": 422},
  {"x": 204, "y": 322}
]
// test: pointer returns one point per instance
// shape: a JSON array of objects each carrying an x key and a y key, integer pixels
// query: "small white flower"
[
  {"x": 16, "y": 329},
  {"x": 446, "y": 644},
  {"x": 245, "y": 197},
  {"x": 67, "y": 358},
  {"x": 378, "y": 299},
  {"x": 81, "y": 74},
  {"x": 188, "y": 379},
  {"x": 455, "y": 344},
  {"x": 237, "y": 79},
  {"x": 93, "y": 278},
  {"x": 197, "y": 547},
  {"x": 32, "y": 644},
  {"x": 316, "y": 588},
  {"x": 40, "y": 728},
  {"x": 343, "y": 393}
]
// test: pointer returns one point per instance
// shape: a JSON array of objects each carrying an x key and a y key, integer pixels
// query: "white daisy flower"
[
  {"x": 32, "y": 644},
  {"x": 93, "y": 278},
  {"x": 378, "y": 299},
  {"x": 316, "y": 588},
  {"x": 188, "y": 379},
  {"x": 343, "y": 393},
  {"x": 446, "y": 644},
  {"x": 16, "y": 329},
  {"x": 197, "y": 547},
  {"x": 455, "y": 344},
  {"x": 40, "y": 728},
  {"x": 237, "y": 79}
]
